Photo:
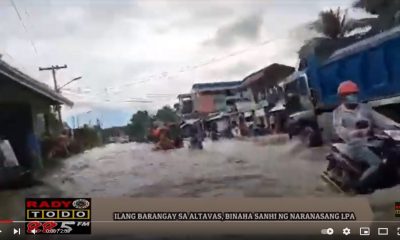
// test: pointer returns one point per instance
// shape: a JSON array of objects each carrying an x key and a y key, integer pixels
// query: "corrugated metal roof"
[
  {"x": 365, "y": 44},
  {"x": 216, "y": 86},
  {"x": 27, "y": 81},
  {"x": 185, "y": 95},
  {"x": 278, "y": 107},
  {"x": 272, "y": 73}
]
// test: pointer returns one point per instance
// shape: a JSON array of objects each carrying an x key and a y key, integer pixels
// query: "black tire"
[{"x": 314, "y": 139}]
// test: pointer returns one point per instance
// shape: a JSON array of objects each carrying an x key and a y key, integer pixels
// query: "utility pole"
[{"x": 53, "y": 71}]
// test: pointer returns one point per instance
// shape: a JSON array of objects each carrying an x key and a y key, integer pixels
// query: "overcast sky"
[{"x": 130, "y": 50}]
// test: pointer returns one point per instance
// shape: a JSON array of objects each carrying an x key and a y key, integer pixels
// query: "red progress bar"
[{"x": 6, "y": 221}]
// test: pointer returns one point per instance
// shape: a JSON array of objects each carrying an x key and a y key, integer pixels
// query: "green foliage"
[
  {"x": 113, "y": 132},
  {"x": 87, "y": 137},
  {"x": 333, "y": 23},
  {"x": 141, "y": 122},
  {"x": 386, "y": 10},
  {"x": 376, "y": 6},
  {"x": 139, "y": 126},
  {"x": 166, "y": 115}
]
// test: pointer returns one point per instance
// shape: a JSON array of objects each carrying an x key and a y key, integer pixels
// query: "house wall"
[
  {"x": 204, "y": 103},
  {"x": 220, "y": 102},
  {"x": 14, "y": 93},
  {"x": 186, "y": 106},
  {"x": 247, "y": 93}
]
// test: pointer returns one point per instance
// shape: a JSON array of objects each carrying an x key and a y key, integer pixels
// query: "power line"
[
  {"x": 192, "y": 68},
  {"x": 24, "y": 27}
]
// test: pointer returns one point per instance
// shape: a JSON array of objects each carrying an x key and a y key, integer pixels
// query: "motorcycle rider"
[
  {"x": 164, "y": 142},
  {"x": 196, "y": 136},
  {"x": 345, "y": 119},
  {"x": 214, "y": 131}
]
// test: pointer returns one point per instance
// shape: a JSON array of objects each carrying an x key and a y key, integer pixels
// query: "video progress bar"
[{"x": 158, "y": 221}]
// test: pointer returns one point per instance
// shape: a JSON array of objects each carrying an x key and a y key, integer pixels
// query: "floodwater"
[{"x": 224, "y": 168}]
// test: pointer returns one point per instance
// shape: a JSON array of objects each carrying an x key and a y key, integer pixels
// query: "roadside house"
[
  {"x": 214, "y": 97},
  {"x": 25, "y": 108},
  {"x": 185, "y": 105},
  {"x": 263, "y": 86}
]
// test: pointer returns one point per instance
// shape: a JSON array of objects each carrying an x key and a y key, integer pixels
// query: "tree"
[
  {"x": 139, "y": 126},
  {"x": 141, "y": 122},
  {"x": 333, "y": 23},
  {"x": 166, "y": 115},
  {"x": 336, "y": 28},
  {"x": 386, "y": 10}
]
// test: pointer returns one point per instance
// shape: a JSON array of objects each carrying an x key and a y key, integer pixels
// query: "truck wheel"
[{"x": 314, "y": 139}]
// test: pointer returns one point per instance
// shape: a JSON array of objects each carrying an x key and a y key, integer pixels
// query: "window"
[
  {"x": 302, "y": 86},
  {"x": 303, "y": 64},
  {"x": 298, "y": 87}
]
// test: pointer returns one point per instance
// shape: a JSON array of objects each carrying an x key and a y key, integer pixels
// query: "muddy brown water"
[{"x": 225, "y": 168}]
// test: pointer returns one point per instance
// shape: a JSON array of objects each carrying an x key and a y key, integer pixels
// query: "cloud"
[
  {"x": 247, "y": 28},
  {"x": 127, "y": 49}
]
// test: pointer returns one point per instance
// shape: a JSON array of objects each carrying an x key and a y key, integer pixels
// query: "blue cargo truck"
[{"x": 373, "y": 63}]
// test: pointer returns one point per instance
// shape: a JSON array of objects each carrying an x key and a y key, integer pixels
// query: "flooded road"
[{"x": 225, "y": 168}]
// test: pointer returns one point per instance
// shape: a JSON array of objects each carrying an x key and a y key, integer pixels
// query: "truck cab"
[{"x": 300, "y": 109}]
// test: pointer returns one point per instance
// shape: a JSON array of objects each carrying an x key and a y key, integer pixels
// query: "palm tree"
[
  {"x": 335, "y": 26},
  {"x": 388, "y": 12},
  {"x": 333, "y": 23}
]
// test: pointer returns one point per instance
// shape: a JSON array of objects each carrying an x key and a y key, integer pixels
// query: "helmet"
[{"x": 347, "y": 87}]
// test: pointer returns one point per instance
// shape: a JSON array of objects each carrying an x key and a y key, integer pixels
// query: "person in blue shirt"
[{"x": 34, "y": 150}]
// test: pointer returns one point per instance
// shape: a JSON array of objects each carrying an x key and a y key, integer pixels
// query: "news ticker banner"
[
  {"x": 228, "y": 215},
  {"x": 195, "y": 215}
]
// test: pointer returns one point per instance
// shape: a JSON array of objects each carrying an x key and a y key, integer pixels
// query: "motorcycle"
[
  {"x": 214, "y": 135},
  {"x": 196, "y": 138},
  {"x": 195, "y": 143},
  {"x": 342, "y": 170}
]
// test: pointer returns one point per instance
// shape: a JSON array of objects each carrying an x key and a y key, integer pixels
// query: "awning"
[
  {"x": 219, "y": 116},
  {"x": 27, "y": 81},
  {"x": 278, "y": 107},
  {"x": 189, "y": 122}
]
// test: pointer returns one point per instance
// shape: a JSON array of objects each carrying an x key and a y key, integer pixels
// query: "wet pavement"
[{"x": 224, "y": 168}]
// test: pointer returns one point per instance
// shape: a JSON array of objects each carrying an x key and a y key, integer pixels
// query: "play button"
[{"x": 17, "y": 231}]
